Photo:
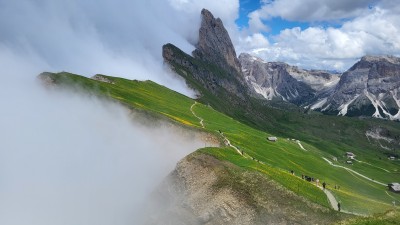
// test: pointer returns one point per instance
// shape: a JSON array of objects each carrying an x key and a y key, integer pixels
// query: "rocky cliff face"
[
  {"x": 280, "y": 80},
  {"x": 213, "y": 68},
  {"x": 215, "y": 45},
  {"x": 204, "y": 190},
  {"x": 370, "y": 88}
]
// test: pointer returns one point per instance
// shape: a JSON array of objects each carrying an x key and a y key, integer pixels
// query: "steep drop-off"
[{"x": 205, "y": 190}]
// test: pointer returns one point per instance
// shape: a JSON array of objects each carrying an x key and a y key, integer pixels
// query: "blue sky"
[
  {"x": 275, "y": 24},
  {"x": 246, "y": 6}
]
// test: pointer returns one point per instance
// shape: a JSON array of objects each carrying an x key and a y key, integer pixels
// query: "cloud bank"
[{"x": 69, "y": 159}]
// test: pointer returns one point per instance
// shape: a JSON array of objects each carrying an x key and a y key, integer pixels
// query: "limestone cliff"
[
  {"x": 370, "y": 88},
  {"x": 215, "y": 45}
]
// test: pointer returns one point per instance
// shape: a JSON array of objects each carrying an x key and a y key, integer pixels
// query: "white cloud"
[
  {"x": 120, "y": 38},
  {"x": 256, "y": 24},
  {"x": 313, "y": 10},
  {"x": 226, "y": 10}
]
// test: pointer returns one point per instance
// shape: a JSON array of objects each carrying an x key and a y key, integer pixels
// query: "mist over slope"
[
  {"x": 68, "y": 159},
  {"x": 73, "y": 159}
]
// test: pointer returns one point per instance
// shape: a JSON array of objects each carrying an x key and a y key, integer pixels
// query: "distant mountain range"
[{"x": 369, "y": 88}]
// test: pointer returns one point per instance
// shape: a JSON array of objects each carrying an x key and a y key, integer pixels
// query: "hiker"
[
  {"x": 317, "y": 182},
  {"x": 324, "y": 185},
  {"x": 338, "y": 206},
  {"x": 292, "y": 172}
]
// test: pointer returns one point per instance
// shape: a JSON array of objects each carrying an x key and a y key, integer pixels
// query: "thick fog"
[{"x": 68, "y": 158}]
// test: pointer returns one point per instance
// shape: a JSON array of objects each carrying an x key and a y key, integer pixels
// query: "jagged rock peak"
[
  {"x": 369, "y": 88},
  {"x": 214, "y": 44},
  {"x": 373, "y": 58}
]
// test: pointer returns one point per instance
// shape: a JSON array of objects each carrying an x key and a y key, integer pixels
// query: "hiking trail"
[
  {"x": 355, "y": 172},
  {"x": 194, "y": 114}
]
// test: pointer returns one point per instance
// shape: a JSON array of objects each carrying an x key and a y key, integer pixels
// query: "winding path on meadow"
[
  {"x": 226, "y": 140},
  {"x": 329, "y": 195},
  {"x": 353, "y": 171},
  {"x": 331, "y": 198},
  {"x": 372, "y": 165},
  {"x": 194, "y": 114}
]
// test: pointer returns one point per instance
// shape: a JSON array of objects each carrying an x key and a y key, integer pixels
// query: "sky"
[
  {"x": 69, "y": 158},
  {"x": 319, "y": 34}
]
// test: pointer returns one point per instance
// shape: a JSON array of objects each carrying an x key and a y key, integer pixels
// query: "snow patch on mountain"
[
  {"x": 319, "y": 104},
  {"x": 344, "y": 107}
]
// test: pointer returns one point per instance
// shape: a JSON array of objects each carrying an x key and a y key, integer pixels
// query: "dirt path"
[
  {"x": 334, "y": 202},
  {"x": 194, "y": 114},
  {"x": 301, "y": 146},
  {"x": 331, "y": 198},
  {"x": 372, "y": 165},
  {"x": 355, "y": 172}
]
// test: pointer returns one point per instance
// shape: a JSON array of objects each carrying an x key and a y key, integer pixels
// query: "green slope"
[
  {"x": 278, "y": 158},
  {"x": 389, "y": 218}
]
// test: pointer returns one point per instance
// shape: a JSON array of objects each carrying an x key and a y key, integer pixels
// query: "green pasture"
[{"x": 276, "y": 158}]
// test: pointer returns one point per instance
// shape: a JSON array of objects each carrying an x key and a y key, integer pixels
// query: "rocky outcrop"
[
  {"x": 102, "y": 78},
  {"x": 204, "y": 190},
  {"x": 370, "y": 88},
  {"x": 214, "y": 67},
  {"x": 280, "y": 80},
  {"x": 215, "y": 45}
]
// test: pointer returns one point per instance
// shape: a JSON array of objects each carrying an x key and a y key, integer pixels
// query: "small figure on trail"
[
  {"x": 317, "y": 182},
  {"x": 242, "y": 152},
  {"x": 338, "y": 206},
  {"x": 292, "y": 172},
  {"x": 324, "y": 185}
]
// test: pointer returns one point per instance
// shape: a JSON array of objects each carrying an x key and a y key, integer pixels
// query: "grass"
[
  {"x": 388, "y": 218},
  {"x": 356, "y": 194}
]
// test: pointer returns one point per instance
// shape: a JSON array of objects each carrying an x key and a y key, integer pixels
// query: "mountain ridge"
[{"x": 369, "y": 88}]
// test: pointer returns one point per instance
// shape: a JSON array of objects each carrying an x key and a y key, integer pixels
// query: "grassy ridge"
[
  {"x": 356, "y": 194},
  {"x": 145, "y": 95},
  {"x": 391, "y": 217}
]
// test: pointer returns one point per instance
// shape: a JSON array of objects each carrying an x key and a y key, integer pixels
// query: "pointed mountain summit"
[
  {"x": 215, "y": 45},
  {"x": 369, "y": 88},
  {"x": 213, "y": 66}
]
